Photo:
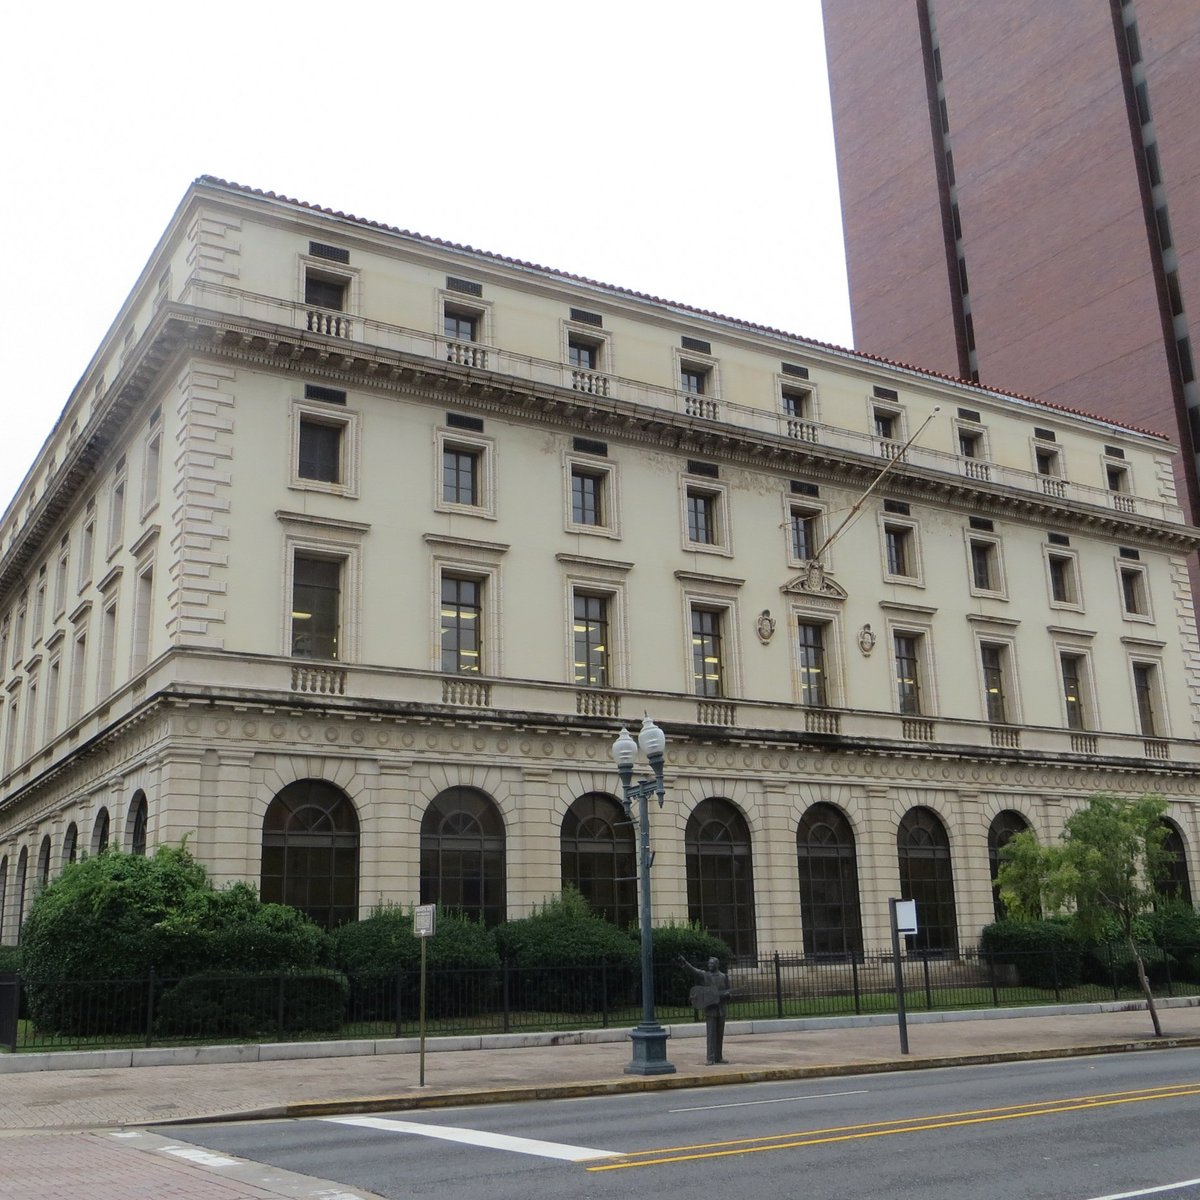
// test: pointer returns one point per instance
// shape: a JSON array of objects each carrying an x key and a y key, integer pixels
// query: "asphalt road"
[{"x": 1072, "y": 1129}]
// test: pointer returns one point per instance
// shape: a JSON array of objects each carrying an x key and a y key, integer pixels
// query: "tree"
[{"x": 1104, "y": 869}]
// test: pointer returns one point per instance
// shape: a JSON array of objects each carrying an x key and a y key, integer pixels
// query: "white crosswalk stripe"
[{"x": 478, "y": 1137}]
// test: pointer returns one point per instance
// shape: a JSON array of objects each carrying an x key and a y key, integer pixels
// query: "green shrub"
[
  {"x": 382, "y": 956},
  {"x": 671, "y": 981},
  {"x": 10, "y": 960},
  {"x": 567, "y": 959},
  {"x": 1175, "y": 926},
  {"x": 1045, "y": 953},
  {"x": 95, "y": 934},
  {"x": 253, "y": 1004}
]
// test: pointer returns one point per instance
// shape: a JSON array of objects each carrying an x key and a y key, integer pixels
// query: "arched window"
[
  {"x": 70, "y": 844},
  {"x": 3, "y": 894},
  {"x": 310, "y": 852},
  {"x": 100, "y": 832},
  {"x": 1004, "y": 827},
  {"x": 926, "y": 877},
  {"x": 1174, "y": 883},
  {"x": 599, "y": 857},
  {"x": 135, "y": 823},
  {"x": 720, "y": 878},
  {"x": 462, "y": 855},
  {"x": 43, "y": 867},
  {"x": 828, "y": 869},
  {"x": 22, "y": 869}
]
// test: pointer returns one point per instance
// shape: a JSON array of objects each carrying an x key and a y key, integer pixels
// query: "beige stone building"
[{"x": 353, "y": 550}]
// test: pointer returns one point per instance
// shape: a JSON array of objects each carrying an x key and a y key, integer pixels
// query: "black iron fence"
[{"x": 326, "y": 1004}]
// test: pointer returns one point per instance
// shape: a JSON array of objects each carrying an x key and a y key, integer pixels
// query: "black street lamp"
[{"x": 649, "y": 1037}]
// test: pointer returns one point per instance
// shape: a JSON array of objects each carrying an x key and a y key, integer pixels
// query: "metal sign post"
[
  {"x": 903, "y": 919},
  {"x": 424, "y": 927}
]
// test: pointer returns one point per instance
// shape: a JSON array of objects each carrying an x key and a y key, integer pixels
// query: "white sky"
[{"x": 679, "y": 148}]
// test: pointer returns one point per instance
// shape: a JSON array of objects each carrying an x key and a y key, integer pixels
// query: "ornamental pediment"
[{"x": 812, "y": 581}]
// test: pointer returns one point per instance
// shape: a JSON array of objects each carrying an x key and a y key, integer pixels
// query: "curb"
[{"x": 660, "y": 1083}]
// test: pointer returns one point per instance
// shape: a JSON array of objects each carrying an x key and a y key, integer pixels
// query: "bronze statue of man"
[{"x": 710, "y": 995}]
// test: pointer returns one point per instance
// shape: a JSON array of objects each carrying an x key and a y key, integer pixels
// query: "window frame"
[
  {"x": 325, "y": 271},
  {"x": 995, "y": 564},
  {"x": 1009, "y": 678},
  {"x": 718, "y": 596},
  {"x": 447, "y": 440},
  {"x": 811, "y": 510},
  {"x": 716, "y": 492},
  {"x": 1066, "y": 555},
  {"x": 600, "y": 468},
  {"x": 1087, "y": 700},
  {"x": 604, "y": 578},
  {"x": 118, "y": 506},
  {"x": 464, "y": 558},
  {"x": 926, "y": 674},
  {"x": 828, "y": 622},
  {"x": 1139, "y": 573},
  {"x": 1054, "y": 455},
  {"x": 705, "y": 366},
  {"x": 886, "y": 445},
  {"x": 330, "y": 540},
  {"x": 888, "y": 523},
  {"x": 346, "y": 421},
  {"x": 977, "y": 433},
  {"x": 471, "y": 352},
  {"x": 1159, "y": 712},
  {"x": 152, "y": 451}
]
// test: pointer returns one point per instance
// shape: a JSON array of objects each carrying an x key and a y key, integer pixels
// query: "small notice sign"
[
  {"x": 906, "y": 916},
  {"x": 425, "y": 920}
]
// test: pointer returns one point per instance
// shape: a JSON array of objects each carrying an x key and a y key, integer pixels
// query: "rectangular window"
[
  {"x": 460, "y": 325},
  {"x": 316, "y": 606},
  {"x": 116, "y": 511},
  {"x": 461, "y": 625},
  {"x": 53, "y": 682},
  {"x": 1145, "y": 690},
  {"x": 18, "y": 646},
  {"x": 325, "y": 291},
  {"x": 320, "y": 451},
  {"x": 60, "y": 576},
  {"x": 78, "y": 677},
  {"x": 1047, "y": 462},
  {"x": 591, "y": 635},
  {"x": 708, "y": 672},
  {"x": 797, "y": 402},
  {"x": 1072, "y": 667},
  {"x": 1116, "y": 477},
  {"x": 583, "y": 354},
  {"x": 460, "y": 475},
  {"x": 802, "y": 523},
  {"x": 142, "y": 604},
  {"x": 970, "y": 443},
  {"x": 108, "y": 649},
  {"x": 992, "y": 659},
  {"x": 152, "y": 465},
  {"x": 39, "y": 607},
  {"x": 10, "y": 741},
  {"x": 31, "y": 696},
  {"x": 87, "y": 547},
  {"x": 906, "y": 648},
  {"x": 587, "y": 496},
  {"x": 983, "y": 565},
  {"x": 694, "y": 380},
  {"x": 1064, "y": 584},
  {"x": 1133, "y": 592},
  {"x": 886, "y": 423},
  {"x": 897, "y": 541},
  {"x": 811, "y": 649},
  {"x": 702, "y": 517}
]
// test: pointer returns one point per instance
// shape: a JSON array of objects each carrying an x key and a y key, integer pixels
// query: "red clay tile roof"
[{"x": 215, "y": 181}]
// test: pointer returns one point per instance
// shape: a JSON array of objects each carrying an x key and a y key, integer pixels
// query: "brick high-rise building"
[{"x": 1021, "y": 192}]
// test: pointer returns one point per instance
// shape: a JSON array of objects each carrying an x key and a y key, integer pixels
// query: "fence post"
[
  {"x": 399, "y": 994},
  {"x": 1054, "y": 971},
  {"x": 1112, "y": 970},
  {"x": 504, "y": 990},
  {"x": 279, "y": 1009},
  {"x": 1167, "y": 968},
  {"x": 604, "y": 995},
  {"x": 854, "y": 977},
  {"x": 778, "y": 987},
  {"x": 925, "y": 972},
  {"x": 991, "y": 958},
  {"x": 150, "y": 1008}
]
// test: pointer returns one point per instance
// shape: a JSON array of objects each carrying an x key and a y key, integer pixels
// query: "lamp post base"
[{"x": 649, "y": 1051}]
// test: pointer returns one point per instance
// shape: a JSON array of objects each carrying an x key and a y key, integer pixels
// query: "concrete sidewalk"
[{"x": 372, "y": 1076}]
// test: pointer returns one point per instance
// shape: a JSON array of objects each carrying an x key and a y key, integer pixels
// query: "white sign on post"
[
  {"x": 906, "y": 916},
  {"x": 425, "y": 920}
]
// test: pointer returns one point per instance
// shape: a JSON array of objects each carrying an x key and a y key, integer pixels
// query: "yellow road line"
[{"x": 847, "y": 1133}]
